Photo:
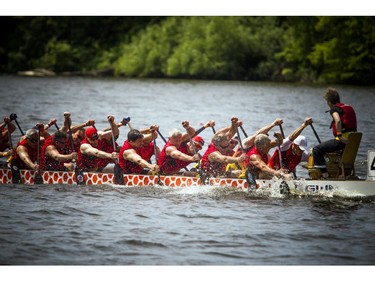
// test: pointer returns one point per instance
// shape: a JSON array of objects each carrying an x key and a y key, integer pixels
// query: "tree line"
[{"x": 319, "y": 49}]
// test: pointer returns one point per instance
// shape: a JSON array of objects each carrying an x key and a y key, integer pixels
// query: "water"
[{"x": 108, "y": 225}]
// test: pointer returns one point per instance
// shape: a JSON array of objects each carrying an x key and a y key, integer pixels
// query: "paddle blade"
[
  {"x": 159, "y": 181},
  {"x": 284, "y": 188},
  {"x": 80, "y": 178},
  {"x": 203, "y": 176},
  {"x": 250, "y": 179},
  {"x": 16, "y": 175},
  {"x": 119, "y": 175},
  {"x": 38, "y": 179}
]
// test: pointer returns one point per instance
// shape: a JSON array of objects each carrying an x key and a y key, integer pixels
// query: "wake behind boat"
[{"x": 342, "y": 187}]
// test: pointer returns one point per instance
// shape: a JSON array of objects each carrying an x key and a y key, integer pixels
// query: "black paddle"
[
  {"x": 282, "y": 131},
  {"x": 13, "y": 116},
  {"x": 250, "y": 179},
  {"x": 118, "y": 172},
  {"x": 80, "y": 178},
  {"x": 197, "y": 132},
  {"x": 38, "y": 179},
  {"x": 279, "y": 149},
  {"x": 201, "y": 173},
  {"x": 284, "y": 188},
  {"x": 243, "y": 131},
  {"x": 165, "y": 141},
  {"x": 316, "y": 135},
  {"x": 16, "y": 175},
  {"x": 156, "y": 160}
]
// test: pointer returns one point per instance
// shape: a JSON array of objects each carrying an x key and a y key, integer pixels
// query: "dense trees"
[{"x": 307, "y": 49}]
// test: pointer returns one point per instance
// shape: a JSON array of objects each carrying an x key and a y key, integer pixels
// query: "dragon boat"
[
  {"x": 342, "y": 179},
  {"x": 350, "y": 185}
]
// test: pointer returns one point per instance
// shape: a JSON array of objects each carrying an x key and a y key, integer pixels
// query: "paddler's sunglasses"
[
  {"x": 94, "y": 138},
  {"x": 62, "y": 142},
  {"x": 33, "y": 140},
  {"x": 224, "y": 147},
  {"x": 197, "y": 145}
]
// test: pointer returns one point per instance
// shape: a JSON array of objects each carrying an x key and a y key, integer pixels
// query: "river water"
[{"x": 109, "y": 225}]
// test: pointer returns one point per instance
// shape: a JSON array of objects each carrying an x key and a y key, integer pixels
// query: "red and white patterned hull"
[
  {"x": 50, "y": 177},
  {"x": 344, "y": 187}
]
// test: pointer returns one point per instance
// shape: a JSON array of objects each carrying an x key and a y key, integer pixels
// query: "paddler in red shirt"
[
  {"x": 137, "y": 150},
  {"x": 293, "y": 150},
  {"x": 78, "y": 132},
  {"x": 218, "y": 153},
  {"x": 27, "y": 151},
  {"x": 258, "y": 158},
  {"x": 52, "y": 155},
  {"x": 4, "y": 137},
  {"x": 176, "y": 154},
  {"x": 96, "y": 151},
  {"x": 239, "y": 168}
]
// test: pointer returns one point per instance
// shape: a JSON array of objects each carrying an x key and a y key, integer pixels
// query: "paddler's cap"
[
  {"x": 30, "y": 133},
  {"x": 301, "y": 142},
  {"x": 91, "y": 133},
  {"x": 199, "y": 141}
]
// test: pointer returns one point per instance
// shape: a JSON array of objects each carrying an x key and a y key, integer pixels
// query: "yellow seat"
[
  {"x": 341, "y": 164},
  {"x": 348, "y": 156}
]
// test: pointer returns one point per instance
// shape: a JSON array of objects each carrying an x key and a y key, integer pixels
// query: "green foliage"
[
  {"x": 298, "y": 37},
  {"x": 31, "y": 42},
  {"x": 202, "y": 47},
  {"x": 305, "y": 49},
  {"x": 346, "y": 51},
  {"x": 58, "y": 56},
  {"x": 148, "y": 52}
]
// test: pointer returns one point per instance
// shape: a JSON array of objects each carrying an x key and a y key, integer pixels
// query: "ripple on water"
[{"x": 136, "y": 242}]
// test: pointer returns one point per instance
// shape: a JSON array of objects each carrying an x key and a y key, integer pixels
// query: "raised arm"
[
  {"x": 209, "y": 123},
  {"x": 189, "y": 129},
  {"x": 8, "y": 125},
  {"x": 75, "y": 128},
  {"x": 229, "y": 131},
  {"x": 150, "y": 133},
  {"x": 249, "y": 141},
  {"x": 299, "y": 130}
]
